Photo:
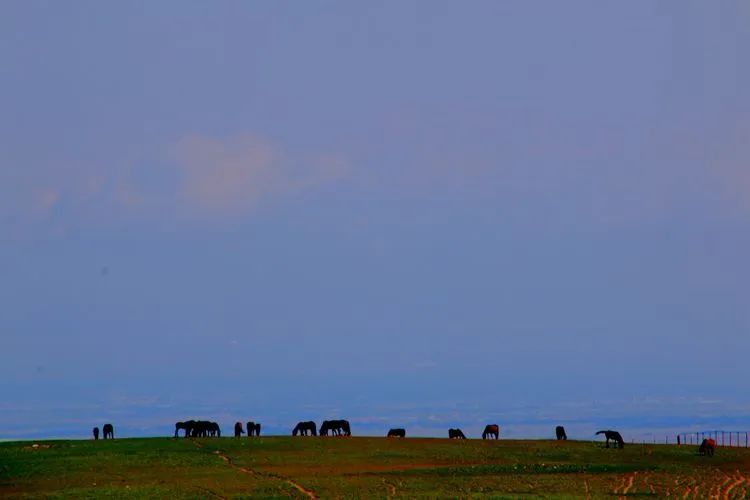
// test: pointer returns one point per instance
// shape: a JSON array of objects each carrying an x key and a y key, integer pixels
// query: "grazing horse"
[
  {"x": 456, "y": 434},
  {"x": 615, "y": 437},
  {"x": 199, "y": 429},
  {"x": 257, "y": 429},
  {"x": 401, "y": 433},
  {"x": 335, "y": 427},
  {"x": 325, "y": 428},
  {"x": 109, "y": 431},
  {"x": 186, "y": 426},
  {"x": 707, "y": 447},
  {"x": 302, "y": 428},
  {"x": 560, "y": 433},
  {"x": 204, "y": 428},
  {"x": 341, "y": 427},
  {"x": 238, "y": 431},
  {"x": 96, "y": 433},
  {"x": 491, "y": 430}
]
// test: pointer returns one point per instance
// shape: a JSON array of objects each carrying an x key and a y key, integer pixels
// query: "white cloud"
[{"x": 232, "y": 176}]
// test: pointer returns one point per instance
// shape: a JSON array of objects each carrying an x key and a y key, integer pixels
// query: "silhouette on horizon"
[
  {"x": 615, "y": 437},
  {"x": 253, "y": 429},
  {"x": 456, "y": 434},
  {"x": 335, "y": 427},
  {"x": 186, "y": 426},
  {"x": 397, "y": 433},
  {"x": 96, "y": 433},
  {"x": 197, "y": 428},
  {"x": 490, "y": 431},
  {"x": 238, "y": 430},
  {"x": 109, "y": 431},
  {"x": 303, "y": 428},
  {"x": 560, "y": 433}
]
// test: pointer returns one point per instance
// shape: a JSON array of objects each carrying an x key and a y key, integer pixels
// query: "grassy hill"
[{"x": 363, "y": 467}]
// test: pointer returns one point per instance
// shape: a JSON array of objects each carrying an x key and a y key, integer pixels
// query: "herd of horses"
[
  {"x": 204, "y": 428},
  {"x": 253, "y": 429},
  {"x": 198, "y": 428},
  {"x": 108, "y": 429}
]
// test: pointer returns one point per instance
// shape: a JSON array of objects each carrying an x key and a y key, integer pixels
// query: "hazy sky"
[{"x": 418, "y": 212}]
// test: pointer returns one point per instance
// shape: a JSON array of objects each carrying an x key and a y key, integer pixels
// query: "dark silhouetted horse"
[
  {"x": 325, "y": 428},
  {"x": 490, "y": 431},
  {"x": 204, "y": 428},
  {"x": 456, "y": 434},
  {"x": 303, "y": 428},
  {"x": 199, "y": 429},
  {"x": 186, "y": 426},
  {"x": 560, "y": 433},
  {"x": 707, "y": 447},
  {"x": 96, "y": 433},
  {"x": 253, "y": 429},
  {"x": 613, "y": 436},
  {"x": 397, "y": 433},
  {"x": 238, "y": 431},
  {"x": 335, "y": 427},
  {"x": 108, "y": 431}
]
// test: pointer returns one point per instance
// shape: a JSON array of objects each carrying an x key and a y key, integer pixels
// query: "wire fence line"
[{"x": 734, "y": 439}]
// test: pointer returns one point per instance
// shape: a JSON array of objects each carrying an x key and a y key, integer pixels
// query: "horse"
[
  {"x": 335, "y": 427},
  {"x": 341, "y": 427},
  {"x": 253, "y": 429},
  {"x": 615, "y": 437},
  {"x": 302, "y": 428},
  {"x": 199, "y": 429},
  {"x": 109, "y": 431},
  {"x": 560, "y": 433},
  {"x": 96, "y": 433},
  {"x": 238, "y": 431},
  {"x": 186, "y": 426},
  {"x": 456, "y": 434},
  {"x": 204, "y": 428},
  {"x": 491, "y": 430},
  {"x": 397, "y": 433},
  {"x": 325, "y": 428},
  {"x": 707, "y": 447}
]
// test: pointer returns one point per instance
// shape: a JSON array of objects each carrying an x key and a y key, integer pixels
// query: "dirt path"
[
  {"x": 294, "y": 484},
  {"x": 629, "y": 483},
  {"x": 624, "y": 484},
  {"x": 391, "y": 489},
  {"x": 210, "y": 492},
  {"x": 738, "y": 480},
  {"x": 586, "y": 487}
]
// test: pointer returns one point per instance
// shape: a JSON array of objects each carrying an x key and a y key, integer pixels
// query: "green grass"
[{"x": 272, "y": 467}]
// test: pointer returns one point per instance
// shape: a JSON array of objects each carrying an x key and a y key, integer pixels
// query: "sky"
[{"x": 409, "y": 214}]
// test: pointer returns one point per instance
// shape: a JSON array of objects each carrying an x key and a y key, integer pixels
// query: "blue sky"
[{"x": 411, "y": 213}]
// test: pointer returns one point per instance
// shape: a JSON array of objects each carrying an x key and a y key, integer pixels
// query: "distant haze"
[{"x": 409, "y": 214}]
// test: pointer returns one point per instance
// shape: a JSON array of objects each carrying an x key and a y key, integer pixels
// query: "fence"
[{"x": 722, "y": 438}]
